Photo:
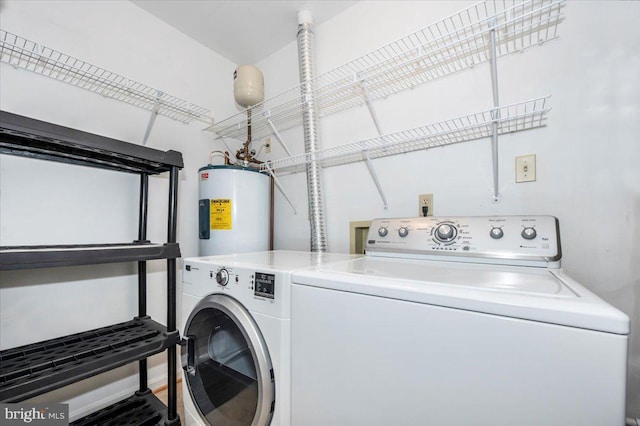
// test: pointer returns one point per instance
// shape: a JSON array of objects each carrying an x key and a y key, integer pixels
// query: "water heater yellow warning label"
[{"x": 220, "y": 214}]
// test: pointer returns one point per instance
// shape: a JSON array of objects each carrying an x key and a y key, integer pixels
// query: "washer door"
[{"x": 227, "y": 365}]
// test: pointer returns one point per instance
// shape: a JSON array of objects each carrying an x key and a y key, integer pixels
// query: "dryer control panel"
[{"x": 511, "y": 240}]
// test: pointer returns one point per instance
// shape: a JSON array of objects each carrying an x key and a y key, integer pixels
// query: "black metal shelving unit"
[{"x": 37, "y": 368}]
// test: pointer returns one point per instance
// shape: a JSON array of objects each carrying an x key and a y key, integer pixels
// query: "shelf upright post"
[
  {"x": 374, "y": 116},
  {"x": 495, "y": 112},
  {"x": 142, "y": 268},
  {"x": 171, "y": 296}
]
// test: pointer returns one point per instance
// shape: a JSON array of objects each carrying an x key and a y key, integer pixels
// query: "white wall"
[
  {"x": 587, "y": 175},
  {"x": 587, "y": 171},
  {"x": 52, "y": 203}
]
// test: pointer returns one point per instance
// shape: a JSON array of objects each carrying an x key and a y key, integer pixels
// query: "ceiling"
[{"x": 243, "y": 31}]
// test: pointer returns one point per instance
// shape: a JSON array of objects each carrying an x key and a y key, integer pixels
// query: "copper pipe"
[
  {"x": 240, "y": 156},
  {"x": 243, "y": 154},
  {"x": 245, "y": 147},
  {"x": 248, "y": 142}
]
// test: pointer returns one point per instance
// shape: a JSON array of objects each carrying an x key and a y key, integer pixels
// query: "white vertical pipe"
[
  {"x": 495, "y": 114},
  {"x": 311, "y": 143}
]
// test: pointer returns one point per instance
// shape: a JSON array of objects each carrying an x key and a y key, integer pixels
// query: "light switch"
[{"x": 526, "y": 168}]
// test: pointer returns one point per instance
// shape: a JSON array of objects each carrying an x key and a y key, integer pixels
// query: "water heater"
[{"x": 234, "y": 210}]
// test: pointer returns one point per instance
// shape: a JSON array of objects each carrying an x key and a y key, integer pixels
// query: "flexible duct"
[{"x": 311, "y": 137}]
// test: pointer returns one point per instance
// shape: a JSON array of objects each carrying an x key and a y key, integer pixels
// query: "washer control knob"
[
  {"x": 445, "y": 232},
  {"x": 529, "y": 233},
  {"x": 496, "y": 233},
  {"x": 382, "y": 231},
  {"x": 222, "y": 277},
  {"x": 403, "y": 231}
]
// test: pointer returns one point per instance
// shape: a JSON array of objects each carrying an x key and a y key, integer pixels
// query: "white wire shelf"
[
  {"x": 510, "y": 118},
  {"x": 457, "y": 42},
  {"x": 29, "y": 55}
]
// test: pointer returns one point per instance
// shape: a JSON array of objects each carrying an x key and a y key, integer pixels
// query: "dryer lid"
[{"x": 544, "y": 295}]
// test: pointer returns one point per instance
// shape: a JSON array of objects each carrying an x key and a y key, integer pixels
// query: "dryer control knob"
[
  {"x": 222, "y": 277},
  {"x": 403, "y": 231},
  {"x": 382, "y": 231},
  {"x": 529, "y": 233}
]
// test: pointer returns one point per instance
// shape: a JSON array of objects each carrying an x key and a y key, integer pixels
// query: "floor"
[{"x": 161, "y": 394}]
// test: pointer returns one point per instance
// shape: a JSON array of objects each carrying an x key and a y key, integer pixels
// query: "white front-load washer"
[
  {"x": 235, "y": 350},
  {"x": 458, "y": 320}
]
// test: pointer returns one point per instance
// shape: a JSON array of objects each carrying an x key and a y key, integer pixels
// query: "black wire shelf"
[
  {"x": 140, "y": 409},
  {"x": 31, "y": 257},
  {"x": 27, "y": 137},
  {"x": 38, "y": 368}
]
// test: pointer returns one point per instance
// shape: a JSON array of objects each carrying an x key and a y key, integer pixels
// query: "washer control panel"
[
  {"x": 265, "y": 285},
  {"x": 489, "y": 239},
  {"x": 238, "y": 281}
]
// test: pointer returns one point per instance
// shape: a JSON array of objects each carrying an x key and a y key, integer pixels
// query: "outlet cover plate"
[{"x": 425, "y": 200}]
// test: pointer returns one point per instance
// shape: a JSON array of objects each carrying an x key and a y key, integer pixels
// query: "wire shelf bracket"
[
  {"x": 369, "y": 102},
  {"x": 152, "y": 118},
  {"x": 22, "y": 53},
  {"x": 265, "y": 166},
  {"x": 267, "y": 115},
  {"x": 376, "y": 122},
  {"x": 374, "y": 176}
]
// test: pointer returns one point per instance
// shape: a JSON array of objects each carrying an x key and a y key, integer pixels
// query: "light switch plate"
[{"x": 526, "y": 168}]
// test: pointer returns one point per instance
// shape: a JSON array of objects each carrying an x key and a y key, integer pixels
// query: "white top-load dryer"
[
  {"x": 450, "y": 321},
  {"x": 236, "y": 336}
]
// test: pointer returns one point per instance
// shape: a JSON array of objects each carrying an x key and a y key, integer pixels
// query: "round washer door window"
[{"x": 227, "y": 365}]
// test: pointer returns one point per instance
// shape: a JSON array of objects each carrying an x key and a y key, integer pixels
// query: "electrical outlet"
[
  {"x": 526, "y": 168},
  {"x": 267, "y": 145},
  {"x": 425, "y": 201}
]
